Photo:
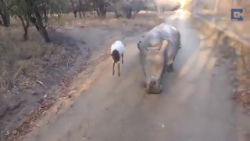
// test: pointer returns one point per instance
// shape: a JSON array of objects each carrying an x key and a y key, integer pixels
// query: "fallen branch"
[
  {"x": 41, "y": 83},
  {"x": 53, "y": 28}
]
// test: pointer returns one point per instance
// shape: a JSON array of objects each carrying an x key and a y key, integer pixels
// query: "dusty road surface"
[{"x": 195, "y": 105}]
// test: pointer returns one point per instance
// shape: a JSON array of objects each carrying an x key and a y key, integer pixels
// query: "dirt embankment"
[
  {"x": 221, "y": 17},
  {"x": 34, "y": 75}
]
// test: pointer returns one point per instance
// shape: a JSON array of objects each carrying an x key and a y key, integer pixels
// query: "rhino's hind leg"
[
  {"x": 170, "y": 68},
  {"x": 165, "y": 68}
]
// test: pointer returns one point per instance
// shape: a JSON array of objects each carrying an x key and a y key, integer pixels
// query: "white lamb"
[{"x": 117, "y": 53}]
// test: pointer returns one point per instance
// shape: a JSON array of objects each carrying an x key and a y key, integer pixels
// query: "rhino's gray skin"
[
  {"x": 153, "y": 63},
  {"x": 157, "y": 53}
]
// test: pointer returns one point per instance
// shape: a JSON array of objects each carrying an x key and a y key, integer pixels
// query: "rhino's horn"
[{"x": 152, "y": 83}]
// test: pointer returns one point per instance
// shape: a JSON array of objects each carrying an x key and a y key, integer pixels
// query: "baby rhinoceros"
[{"x": 157, "y": 53}]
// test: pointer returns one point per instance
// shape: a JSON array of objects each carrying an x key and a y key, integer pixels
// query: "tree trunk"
[
  {"x": 38, "y": 22},
  {"x": 103, "y": 15},
  {"x": 25, "y": 27},
  {"x": 80, "y": 13},
  {"x": 5, "y": 18},
  {"x": 80, "y": 9},
  {"x": 103, "y": 12},
  {"x": 25, "y": 34},
  {"x": 45, "y": 34},
  {"x": 45, "y": 15},
  {"x": 75, "y": 13},
  {"x": 100, "y": 8},
  {"x": 135, "y": 13},
  {"x": 129, "y": 13},
  {"x": 73, "y": 8}
]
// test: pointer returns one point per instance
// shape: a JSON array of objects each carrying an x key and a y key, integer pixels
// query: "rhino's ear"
[
  {"x": 164, "y": 44},
  {"x": 166, "y": 39}
]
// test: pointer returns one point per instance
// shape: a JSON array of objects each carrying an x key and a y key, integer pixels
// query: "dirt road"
[{"x": 194, "y": 106}]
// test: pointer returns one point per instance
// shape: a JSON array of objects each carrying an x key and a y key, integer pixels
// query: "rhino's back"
[
  {"x": 171, "y": 33},
  {"x": 155, "y": 36},
  {"x": 151, "y": 40},
  {"x": 174, "y": 45}
]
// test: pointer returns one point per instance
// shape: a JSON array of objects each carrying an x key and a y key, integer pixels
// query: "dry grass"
[
  {"x": 143, "y": 19},
  {"x": 242, "y": 94},
  {"x": 21, "y": 63}
]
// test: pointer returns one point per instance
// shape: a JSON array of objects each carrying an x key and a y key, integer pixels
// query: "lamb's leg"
[
  {"x": 119, "y": 73},
  {"x": 113, "y": 72},
  {"x": 122, "y": 58}
]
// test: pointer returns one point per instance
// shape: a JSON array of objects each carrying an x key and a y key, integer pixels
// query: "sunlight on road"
[
  {"x": 179, "y": 14},
  {"x": 188, "y": 64},
  {"x": 199, "y": 60},
  {"x": 184, "y": 2}
]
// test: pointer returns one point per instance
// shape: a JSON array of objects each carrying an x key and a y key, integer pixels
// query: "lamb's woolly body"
[
  {"x": 119, "y": 46},
  {"x": 117, "y": 53}
]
